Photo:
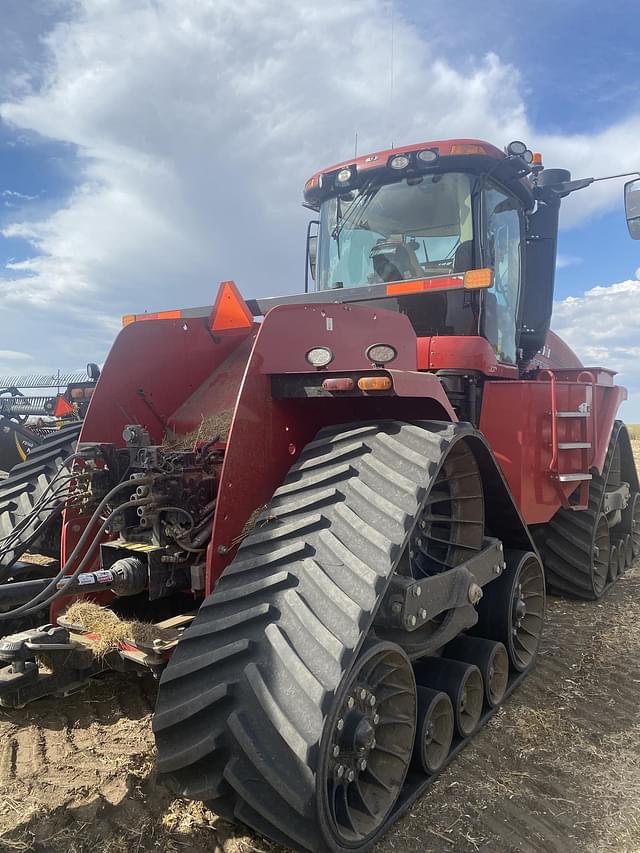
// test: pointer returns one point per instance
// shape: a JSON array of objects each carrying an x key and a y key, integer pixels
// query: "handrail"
[
  {"x": 554, "y": 419},
  {"x": 594, "y": 409}
]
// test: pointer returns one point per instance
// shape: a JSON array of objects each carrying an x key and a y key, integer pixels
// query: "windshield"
[{"x": 419, "y": 227}]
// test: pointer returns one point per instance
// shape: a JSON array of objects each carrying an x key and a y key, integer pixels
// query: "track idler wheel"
[
  {"x": 628, "y": 551},
  {"x": 367, "y": 746},
  {"x": 630, "y": 522},
  {"x": 512, "y": 608},
  {"x": 621, "y": 554},
  {"x": 490, "y": 657},
  {"x": 601, "y": 546},
  {"x": 462, "y": 682},
  {"x": 614, "y": 563},
  {"x": 435, "y": 730}
]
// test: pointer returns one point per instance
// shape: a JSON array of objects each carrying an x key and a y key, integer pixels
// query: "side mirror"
[
  {"x": 312, "y": 253},
  {"x": 632, "y": 207}
]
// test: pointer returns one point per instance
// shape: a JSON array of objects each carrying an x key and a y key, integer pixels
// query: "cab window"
[{"x": 502, "y": 246}]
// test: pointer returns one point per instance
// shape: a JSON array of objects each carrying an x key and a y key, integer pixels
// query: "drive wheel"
[
  {"x": 512, "y": 609},
  {"x": 367, "y": 746}
]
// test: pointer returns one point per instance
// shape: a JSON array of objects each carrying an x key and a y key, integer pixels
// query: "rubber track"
[
  {"x": 565, "y": 542},
  {"x": 26, "y": 482},
  {"x": 242, "y": 703}
]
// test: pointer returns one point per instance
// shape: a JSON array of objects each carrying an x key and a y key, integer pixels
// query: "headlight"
[
  {"x": 400, "y": 161},
  {"x": 343, "y": 176},
  {"x": 516, "y": 148},
  {"x": 428, "y": 155},
  {"x": 381, "y": 353},
  {"x": 319, "y": 356}
]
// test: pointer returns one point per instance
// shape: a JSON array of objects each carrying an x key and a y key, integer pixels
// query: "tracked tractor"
[{"x": 339, "y": 512}]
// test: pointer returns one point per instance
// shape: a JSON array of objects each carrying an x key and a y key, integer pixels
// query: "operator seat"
[{"x": 463, "y": 258}]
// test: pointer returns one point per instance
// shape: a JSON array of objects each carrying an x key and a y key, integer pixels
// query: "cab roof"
[{"x": 367, "y": 164}]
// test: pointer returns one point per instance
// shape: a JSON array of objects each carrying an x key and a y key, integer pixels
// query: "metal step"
[
  {"x": 572, "y": 414},
  {"x": 573, "y": 478},
  {"x": 574, "y": 445}
]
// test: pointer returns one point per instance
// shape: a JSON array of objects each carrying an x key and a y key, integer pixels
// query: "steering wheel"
[{"x": 393, "y": 258}]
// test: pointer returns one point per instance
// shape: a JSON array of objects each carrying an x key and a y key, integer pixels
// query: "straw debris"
[
  {"x": 215, "y": 426},
  {"x": 111, "y": 631}
]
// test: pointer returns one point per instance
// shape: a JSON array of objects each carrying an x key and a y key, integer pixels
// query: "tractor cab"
[{"x": 444, "y": 226}]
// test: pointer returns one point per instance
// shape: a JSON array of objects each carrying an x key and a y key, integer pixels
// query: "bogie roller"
[{"x": 434, "y": 733}]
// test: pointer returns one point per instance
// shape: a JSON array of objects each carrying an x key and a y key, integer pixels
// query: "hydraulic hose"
[
  {"x": 38, "y": 602},
  {"x": 38, "y": 507},
  {"x": 55, "y": 501}
]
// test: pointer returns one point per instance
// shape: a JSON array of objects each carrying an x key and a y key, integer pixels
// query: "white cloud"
[
  {"x": 603, "y": 327},
  {"x": 197, "y": 134},
  {"x": 16, "y": 195},
  {"x": 197, "y": 123},
  {"x": 563, "y": 261},
  {"x": 13, "y": 355}
]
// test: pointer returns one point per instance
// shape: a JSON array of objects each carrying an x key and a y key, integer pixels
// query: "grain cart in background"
[{"x": 336, "y": 519}]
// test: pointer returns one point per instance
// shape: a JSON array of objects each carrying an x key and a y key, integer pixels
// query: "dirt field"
[{"x": 556, "y": 771}]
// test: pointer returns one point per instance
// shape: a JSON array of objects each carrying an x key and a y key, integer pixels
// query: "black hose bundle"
[{"x": 53, "y": 591}]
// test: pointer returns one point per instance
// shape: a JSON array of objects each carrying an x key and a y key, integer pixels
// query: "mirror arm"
[{"x": 565, "y": 188}]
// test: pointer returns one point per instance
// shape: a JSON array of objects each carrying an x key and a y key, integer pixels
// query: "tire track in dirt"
[{"x": 557, "y": 770}]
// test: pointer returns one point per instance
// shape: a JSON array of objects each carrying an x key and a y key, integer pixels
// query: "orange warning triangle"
[
  {"x": 230, "y": 310},
  {"x": 63, "y": 408}
]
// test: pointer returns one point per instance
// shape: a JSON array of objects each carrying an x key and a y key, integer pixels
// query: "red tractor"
[{"x": 341, "y": 520}]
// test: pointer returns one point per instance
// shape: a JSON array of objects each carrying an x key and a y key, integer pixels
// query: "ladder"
[{"x": 586, "y": 416}]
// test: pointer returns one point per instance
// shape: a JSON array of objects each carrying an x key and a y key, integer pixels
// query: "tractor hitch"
[{"x": 41, "y": 662}]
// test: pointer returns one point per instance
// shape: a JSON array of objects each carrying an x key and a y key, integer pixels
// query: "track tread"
[
  {"x": 320, "y": 560},
  {"x": 565, "y": 542},
  {"x": 26, "y": 483}
]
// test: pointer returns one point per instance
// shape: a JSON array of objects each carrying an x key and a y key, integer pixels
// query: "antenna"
[
  {"x": 391, "y": 67},
  {"x": 355, "y": 147}
]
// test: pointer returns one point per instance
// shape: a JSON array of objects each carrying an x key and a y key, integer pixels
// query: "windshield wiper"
[{"x": 359, "y": 205}]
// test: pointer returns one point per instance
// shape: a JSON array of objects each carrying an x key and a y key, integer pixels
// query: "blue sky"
[{"x": 149, "y": 148}]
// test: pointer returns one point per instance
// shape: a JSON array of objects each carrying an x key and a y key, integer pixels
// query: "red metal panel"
[
  {"x": 516, "y": 418},
  {"x": 448, "y": 352},
  {"x": 555, "y": 354},
  {"x": 267, "y": 435},
  {"x": 153, "y": 367},
  {"x": 347, "y": 330}
]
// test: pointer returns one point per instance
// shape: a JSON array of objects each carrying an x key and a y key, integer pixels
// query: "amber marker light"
[
  {"x": 444, "y": 282},
  {"x": 338, "y": 383},
  {"x": 466, "y": 148},
  {"x": 157, "y": 315},
  {"x": 375, "y": 383},
  {"x": 475, "y": 279}
]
